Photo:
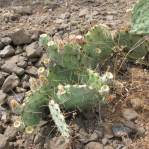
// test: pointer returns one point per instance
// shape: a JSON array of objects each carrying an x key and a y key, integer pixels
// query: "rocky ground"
[{"x": 125, "y": 120}]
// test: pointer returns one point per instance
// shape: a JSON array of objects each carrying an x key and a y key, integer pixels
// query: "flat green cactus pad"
[
  {"x": 79, "y": 96},
  {"x": 137, "y": 46},
  {"x": 99, "y": 43},
  {"x": 140, "y": 18}
]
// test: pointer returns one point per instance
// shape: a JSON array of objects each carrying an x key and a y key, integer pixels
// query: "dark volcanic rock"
[
  {"x": 12, "y": 68},
  {"x": 20, "y": 37},
  {"x": 33, "y": 50},
  {"x": 10, "y": 83}
]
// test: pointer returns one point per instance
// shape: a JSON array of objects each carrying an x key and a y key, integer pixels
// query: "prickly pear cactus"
[
  {"x": 140, "y": 18},
  {"x": 59, "y": 119},
  {"x": 71, "y": 65}
]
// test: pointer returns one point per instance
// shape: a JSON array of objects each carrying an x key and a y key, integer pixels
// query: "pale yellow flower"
[
  {"x": 17, "y": 124},
  {"x": 46, "y": 61},
  {"x": 41, "y": 70},
  {"x": 61, "y": 89},
  {"x": 104, "y": 90},
  {"x": 42, "y": 80},
  {"x": 29, "y": 129}
]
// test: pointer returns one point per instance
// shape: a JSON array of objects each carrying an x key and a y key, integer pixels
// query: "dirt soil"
[{"x": 124, "y": 122}]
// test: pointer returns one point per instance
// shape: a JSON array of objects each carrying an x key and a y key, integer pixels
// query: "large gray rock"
[
  {"x": 33, "y": 50},
  {"x": 108, "y": 147},
  {"x": 12, "y": 68},
  {"x": 3, "y": 142},
  {"x": 2, "y": 97},
  {"x": 15, "y": 64},
  {"x": 20, "y": 37},
  {"x": 7, "y": 51},
  {"x": 16, "y": 59},
  {"x": 10, "y": 83}
]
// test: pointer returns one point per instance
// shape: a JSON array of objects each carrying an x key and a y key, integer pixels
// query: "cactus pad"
[
  {"x": 140, "y": 18},
  {"x": 58, "y": 118}
]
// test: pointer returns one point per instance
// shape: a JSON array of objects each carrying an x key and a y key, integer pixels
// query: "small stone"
[
  {"x": 31, "y": 70},
  {"x": 25, "y": 85},
  {"x": 2, "y": 79},
  {"x": 2, "y": 128},
  {"x": 20, "y": 37},
  {"x": 1, "y": 45},
  {"x": 129, "y": 114},
  {"x": 83, "y": 136},
  {"x": 108, "y": 147},
  {"x": 59, "y": 21},
  {"x": 10, "y": 83},
  {"x": 19, "y": 50},
  {"x": 105, "y": 141},
  {"x": 10, "y": 133},
  {"x": 94, "y": 145},
  {"x": 100, "y": 132},
  {"x": 93, "y": 137},
  {"x": 38, "y": 138},
  {"x": 6, "y": 40},
  {"x": 33, "y": 50},
  {"x": 3, "y": 142},
  {"x": 22, "y": 64},
  {"x": 58, "y": 143},
  {"x": 36, "y": 34},
  {"x": 140, "y": 131},
  {"x": 5, "y": 74},
  {"x": 23, "y": 10},
  {"x": 1, "y": 61},
  {"x": 5, "y": 116},
  {"x": 108, "y": 131},
  {"x": 83, "y": 12},
  {"x": 7, "y": 51},
  {"x": 2, "y": 97},
  {"x": 109, "y": 17},
  {"x": 136, "y": 103},
  {"x": 20, "y": 90},
  {"x": 65, "y": 15},
  {"x": 119, "y": 130},
  {"x": 41, "y": 60},
  {"x": 11, "y": 145},
  {"x": 20, "y": 97}
]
